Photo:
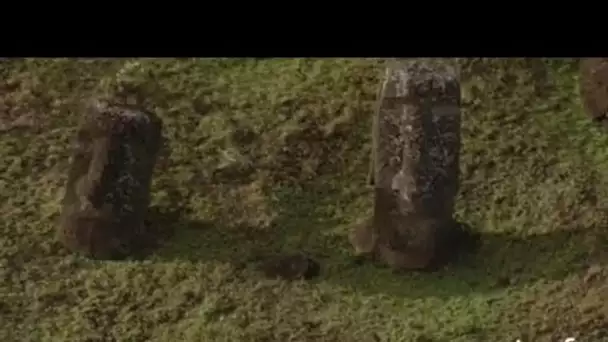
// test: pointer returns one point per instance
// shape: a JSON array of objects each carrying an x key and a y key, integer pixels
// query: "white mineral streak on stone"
[
  {"x": 399, "y": 183},
  {"x": 85, "y": 204},
  {"x": 418, "y": 72},
  {"x": 406, "y": 75},
  {"x": 401, "y": 78},
  {"x": 134, "y": 115},
  {"x": 98, "y": 107},
  {"x": 123, "y": 114}
]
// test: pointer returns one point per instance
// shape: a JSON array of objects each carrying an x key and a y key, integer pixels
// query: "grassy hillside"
[{"x": 268, "y": 156}]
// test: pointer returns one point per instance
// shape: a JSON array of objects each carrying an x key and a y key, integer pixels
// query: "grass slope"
[{"x": 271, "y": 155}]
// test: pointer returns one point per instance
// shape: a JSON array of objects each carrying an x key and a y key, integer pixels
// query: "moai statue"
[
  {"x": 414, "y": 167},
  {"x": 594, "y": 88},
  {"x": 108, "y": 188}
]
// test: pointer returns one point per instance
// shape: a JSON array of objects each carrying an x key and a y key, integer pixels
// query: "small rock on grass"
[{"x": 291, "y": 267}]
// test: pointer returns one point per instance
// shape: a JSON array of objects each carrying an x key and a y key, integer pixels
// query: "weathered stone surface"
[
  {"x": 594, "y": 88},
  {"x": 415, "y": 165},
  {"x": 107, "y": 193}
]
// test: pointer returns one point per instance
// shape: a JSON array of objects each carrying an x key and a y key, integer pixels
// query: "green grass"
[{"x": 269, "y": 156}]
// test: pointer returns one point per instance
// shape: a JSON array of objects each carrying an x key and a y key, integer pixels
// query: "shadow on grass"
[
  {"x": 502, "y": 260},
  {"x": 309, "y": 218}
]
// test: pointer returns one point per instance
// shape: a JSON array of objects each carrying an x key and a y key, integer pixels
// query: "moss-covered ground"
[{"x": 270, "y": 156}]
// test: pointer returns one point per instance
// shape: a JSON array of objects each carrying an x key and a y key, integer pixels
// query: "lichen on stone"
[
  {"x": 416, "y": 155},
  {"x": 111, "y": 174}
]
